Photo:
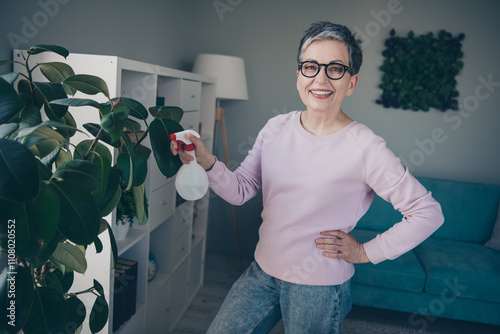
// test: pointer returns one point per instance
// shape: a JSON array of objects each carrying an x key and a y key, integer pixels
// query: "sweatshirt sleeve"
[
  {"x": 422, "y": 214},
  {"x": 241, "y": 185}
]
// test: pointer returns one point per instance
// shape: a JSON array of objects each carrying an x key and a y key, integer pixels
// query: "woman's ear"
[{"x": 353, "y": 82}]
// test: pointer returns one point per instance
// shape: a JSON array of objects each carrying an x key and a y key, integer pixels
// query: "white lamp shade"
[{"x": 229, "y": 72}]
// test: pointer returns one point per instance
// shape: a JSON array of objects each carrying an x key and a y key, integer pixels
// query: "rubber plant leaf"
[
  {"x": 54, "y": 309},
  {"x": 36, "y": 222},
  {"x": 76, "y": 102},
  {"x": 88, "y": 84},
  {"x": 137, "y": 109},
  {"x": 94, "y": 129},
  {"x": 166, "y": 112},
  {"x": 76, "y": 312},
  {"x": 160, "y": 130},
  {"x": 10, "y": 102},
  {"x": 70, "y": 256},
  {"x": 24, "y": 297},
  {"x": 39, "y": 48},
  {"x": 114, "y": 122},
  {"x": 98, "y": 315},
  {"x": 86, "y": 173},
  {"x": 58, "y": 72},
  {"x": 101, "y": 150},
  {"x": 19, "y": 175},
  {"x": 79, "y": 216},
  {"x": 49, "y": 91}
]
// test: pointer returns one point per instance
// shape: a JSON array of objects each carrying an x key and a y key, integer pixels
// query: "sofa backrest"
[{"x": 469, "y": 210}]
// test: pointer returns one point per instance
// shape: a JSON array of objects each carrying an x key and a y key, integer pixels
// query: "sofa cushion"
[
  {"x": 403, "y": 273},
  {"x": 461, "y": 269},
  {"x": 469, "y": 209}
]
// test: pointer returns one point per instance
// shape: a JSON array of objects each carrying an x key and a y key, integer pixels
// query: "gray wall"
[
  {"x": 152, "y": 31},
  {"x": 266, "y": 34}
]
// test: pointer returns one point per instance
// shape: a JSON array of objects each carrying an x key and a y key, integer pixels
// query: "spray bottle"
[{"x": 191, "y": 181}]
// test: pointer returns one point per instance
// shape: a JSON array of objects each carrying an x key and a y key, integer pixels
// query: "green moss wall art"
[{"x": 419, "y": 71}]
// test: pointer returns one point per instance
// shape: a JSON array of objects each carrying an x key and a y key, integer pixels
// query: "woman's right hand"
[{"x": 203, "y": 157}]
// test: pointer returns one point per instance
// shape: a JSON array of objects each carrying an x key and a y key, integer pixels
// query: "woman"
[{"x": 319, "y": 171}]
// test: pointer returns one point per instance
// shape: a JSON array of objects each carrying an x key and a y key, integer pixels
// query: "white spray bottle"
[{"x": 191, "y": 181}]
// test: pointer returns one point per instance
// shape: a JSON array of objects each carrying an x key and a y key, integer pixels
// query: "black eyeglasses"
[{"x": 334, "y": 71}]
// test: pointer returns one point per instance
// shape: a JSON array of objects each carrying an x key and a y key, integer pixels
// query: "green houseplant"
[{"x": 55, "y": 194}]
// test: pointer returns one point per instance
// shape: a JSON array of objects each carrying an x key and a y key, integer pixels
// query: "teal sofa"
[{"x": 451, "y": 274}]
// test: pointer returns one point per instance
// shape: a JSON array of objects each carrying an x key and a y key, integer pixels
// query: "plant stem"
[
  {"x": 144, "y": 135},
  {"x": 94, "y": 143}
]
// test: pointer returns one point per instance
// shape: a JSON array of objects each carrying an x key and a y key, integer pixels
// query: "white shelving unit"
[{"x": 175, "y": 234}]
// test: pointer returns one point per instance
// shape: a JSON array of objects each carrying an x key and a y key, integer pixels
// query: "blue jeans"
[{"x": 257, "y": 301}]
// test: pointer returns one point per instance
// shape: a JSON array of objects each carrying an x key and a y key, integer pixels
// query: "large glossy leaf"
[
  {"x": 67, "y": 119},
  {"x": 46, "y": 253},
  {"x": 141, "y": 204},
  {"x": 76, "y": 102},
  {"x": 66, "y": 280},
  {"x": 49, "y": 158},
  {"x": 42, "y": 148},
  {"x": 125, "y": 164},
  {"x": 83, "y": 172},
  {"x": 79, "y": 217},
  {"x": 112, "y": 192},
  {"x": 47, "y": 124},
  {"x": 160, "y": 130},
  {"x": 133, "y": 126},
  {"x": 48, "y": 91},
  {"x": 63, "y": 156},
  {"x": 7, "y": 129},
  {"x": 39, "y": 48},
  {"x": 98, "y": 315},
  {"x": 132, "y": 165},
  {"x": 51, "y": 280},
  {"x": 22, "y": 285},
  {"x": 54, "y": 309},
  {"x": 137, "y": 109},
  {"x": 76, "y": 313},
  {"x": 19, "y": 176},
  {"x": 10, "y": 77},
  {"x": 10, "y": 102},
  {"x": 70, "y": 256},
  {"x": 166, "y": 112},
  {"x": 25, "y": 93},
  {"x": 30, "y": 116},
  {"x": 104, "y": 136},
  {"x": 99, "y": 149},
  {"x": 88, "y": 84},
  {"x": 35, "y": 222},
  {"x": 36, "y": 323},
  {"x": 57, "y": 72},
  {"x": 114, "y": 247},
  {"x": 114, "y": 122},
  {"x": 103, "y": 166}
]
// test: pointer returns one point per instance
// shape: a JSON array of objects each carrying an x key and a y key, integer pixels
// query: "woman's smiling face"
[{"x": 321, "y": 93}]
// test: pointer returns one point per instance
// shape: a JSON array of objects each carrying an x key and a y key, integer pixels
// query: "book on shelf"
[{"x": 125, "y": 292}]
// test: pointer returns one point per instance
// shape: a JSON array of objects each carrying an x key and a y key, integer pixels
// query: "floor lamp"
[{"x": 231, "y": 85}]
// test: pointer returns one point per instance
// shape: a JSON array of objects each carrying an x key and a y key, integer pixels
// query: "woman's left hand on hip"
[{"x": 340, "y": 245}]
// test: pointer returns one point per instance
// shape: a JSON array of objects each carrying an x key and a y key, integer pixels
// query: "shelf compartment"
[{"x": 133, "y": 237}]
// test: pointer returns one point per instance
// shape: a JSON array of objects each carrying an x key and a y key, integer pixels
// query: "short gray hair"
[{"x": 321, "y": 31}]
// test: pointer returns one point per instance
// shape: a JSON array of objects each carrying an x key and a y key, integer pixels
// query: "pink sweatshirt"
[{"x": 312, "y": 184}]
